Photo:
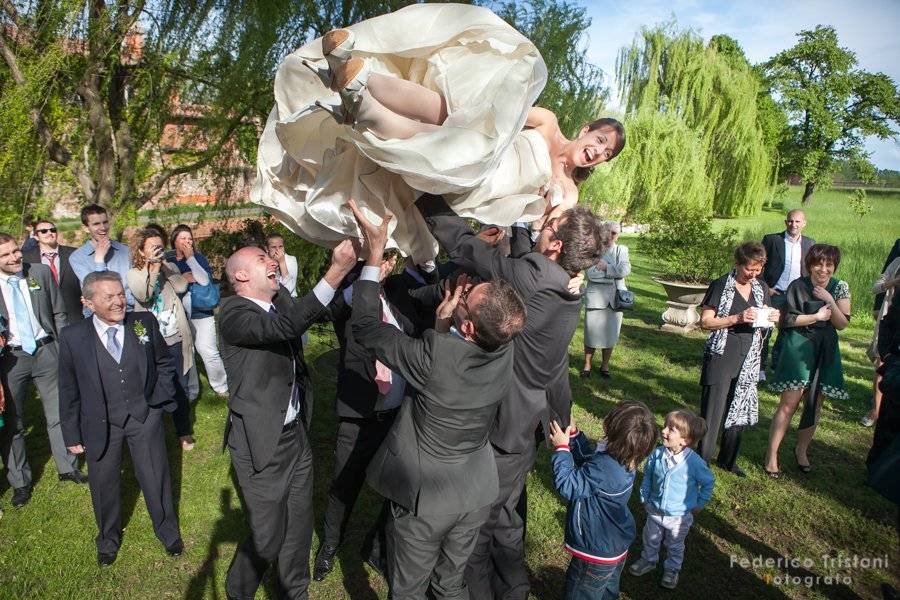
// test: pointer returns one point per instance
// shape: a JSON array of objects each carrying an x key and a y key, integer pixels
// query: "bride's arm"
[
  {"x": 543, "y": 120},
  {"x": 538, "y": 117},
  {"x": 561, "y": 196}
]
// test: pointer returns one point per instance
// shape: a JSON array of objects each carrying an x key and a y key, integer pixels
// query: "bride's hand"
[{"x": 375, "y": 236}]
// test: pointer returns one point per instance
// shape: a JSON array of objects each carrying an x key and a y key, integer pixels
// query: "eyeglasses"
[{"x": 48, "y": 230}]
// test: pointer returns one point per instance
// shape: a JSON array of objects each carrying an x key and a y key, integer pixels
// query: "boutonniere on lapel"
[
  {"x": 33, "y": 285},
  {"x": 141, "y": 332}
]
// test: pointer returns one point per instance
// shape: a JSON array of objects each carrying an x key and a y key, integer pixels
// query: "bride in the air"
[{"x": 433, "y": 98}]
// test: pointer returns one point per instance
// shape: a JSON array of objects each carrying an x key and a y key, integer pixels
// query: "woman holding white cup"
[{"x": 737, "y": 310}]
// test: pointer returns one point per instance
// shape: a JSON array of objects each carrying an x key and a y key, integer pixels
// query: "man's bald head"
[
  {"x": 252, "y": 273},
  {"x": 794, "y": 222}
]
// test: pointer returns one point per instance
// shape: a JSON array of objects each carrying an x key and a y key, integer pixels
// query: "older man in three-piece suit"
[
  {"x": 31, "y": 306},
  {"x": 116, "y": 377}
]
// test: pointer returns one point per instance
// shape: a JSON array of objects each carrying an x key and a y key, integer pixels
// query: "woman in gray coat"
[{"x": 601, "y": 323}]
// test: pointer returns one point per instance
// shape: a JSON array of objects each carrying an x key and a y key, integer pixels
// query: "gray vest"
[{"x": 123, "y": 386}]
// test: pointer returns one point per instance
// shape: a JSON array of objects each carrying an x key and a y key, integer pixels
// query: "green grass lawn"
[{"x": 47, "y": 549}]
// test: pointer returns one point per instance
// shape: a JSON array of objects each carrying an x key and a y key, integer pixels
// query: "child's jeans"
[
  {"x": 592, "y": 581},
  {"x": 668, "y": 530}
]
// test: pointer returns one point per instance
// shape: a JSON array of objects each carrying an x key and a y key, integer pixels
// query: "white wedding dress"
[{"x": 481, "y": 160}]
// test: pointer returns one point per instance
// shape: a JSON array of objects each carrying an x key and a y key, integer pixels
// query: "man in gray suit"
[
  {"x": 435, "y": 466},
  {"x": 33, "y": 308},
  {"x": 540, "y": 391}
]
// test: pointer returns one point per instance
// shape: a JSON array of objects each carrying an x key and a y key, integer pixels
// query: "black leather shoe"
[
  {"x": 21, "y": 496},
  {"x": 324, "y": 562},
  {"x": 75, "y": 476},
  {"x": 104, "y": 560},
  {"x": 176, "y": 548}
]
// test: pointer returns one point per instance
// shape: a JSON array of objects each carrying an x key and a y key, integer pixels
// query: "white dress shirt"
[
  {"x": 100, "y": 327},
  {"x": 792, "y": 254},
  {"x": 324, "y": 293},
  {"x": 46, "y": 259},
  {"x": 13, "y": 338}
]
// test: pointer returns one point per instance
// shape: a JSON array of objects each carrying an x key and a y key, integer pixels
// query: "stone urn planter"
[{"x": 681, "y": 314}]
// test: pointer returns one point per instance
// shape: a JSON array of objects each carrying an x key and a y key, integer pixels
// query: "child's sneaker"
[
  {"x": 641, "y": 567},
  {"x": 669, "y": 579}
]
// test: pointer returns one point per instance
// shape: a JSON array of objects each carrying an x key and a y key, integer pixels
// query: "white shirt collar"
[
  {"x": 260, "y": 303},
  {"x": 101, "y": 327},
  {"x": 676, "y": 459},
  {"x": 788, "y": 239},
  {"x": 5, "y": 276}
]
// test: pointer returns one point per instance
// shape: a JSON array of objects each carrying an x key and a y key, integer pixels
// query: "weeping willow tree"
[
  {"x": 673, "y": 72},
  {"x": 663, "y": 164}
]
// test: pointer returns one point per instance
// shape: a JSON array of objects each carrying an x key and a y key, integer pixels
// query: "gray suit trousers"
[
  {"x": 430, "y": 551},
  {"x": 496, "y": 566},
  {"x": 19, "y": 370}
]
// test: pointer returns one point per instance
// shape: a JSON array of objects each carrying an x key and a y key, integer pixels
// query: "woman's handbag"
[
  {"x": 204, "y": 297},
  {"x": 623, "y": 300}
]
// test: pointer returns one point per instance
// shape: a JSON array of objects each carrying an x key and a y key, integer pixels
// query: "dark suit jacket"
[
  {"x": 894, "y": 253},
  {"x": 259, "y": 360},
  {"x": 540, "y": 389},
  {"x": 82, "y": 402},
  {"x": 774, "y": 267},
  {"x": 397, "y": 290},
  {"x": 68, "y": 281},
  {"x": 357, "y": 392},
  {"x": 436, "y": 460},
  {"x": 46, "y": 301}
]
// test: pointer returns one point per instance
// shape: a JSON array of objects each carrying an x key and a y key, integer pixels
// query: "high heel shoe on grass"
[
  {"x": 803, "y": 468},
  {"x": 337, "y": 48}
]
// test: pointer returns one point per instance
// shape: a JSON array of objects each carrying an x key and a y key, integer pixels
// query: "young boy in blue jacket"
[
  {"x": 677, "y": 485},
  {"x": 597, "y": 482}
]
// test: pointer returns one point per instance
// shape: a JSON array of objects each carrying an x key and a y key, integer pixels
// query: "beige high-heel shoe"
[
  {"x": 337, "y": 48},
  {"x": 350, "y": 81}
]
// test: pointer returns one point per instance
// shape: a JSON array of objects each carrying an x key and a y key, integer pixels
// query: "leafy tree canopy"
[{"x": 832, "y": 104}]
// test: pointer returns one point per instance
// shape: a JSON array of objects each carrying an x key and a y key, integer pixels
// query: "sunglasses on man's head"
[{"x": 48, "y": 230}]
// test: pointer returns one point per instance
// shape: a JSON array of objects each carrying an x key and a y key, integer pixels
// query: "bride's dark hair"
[{"x": 582, "y": 173}]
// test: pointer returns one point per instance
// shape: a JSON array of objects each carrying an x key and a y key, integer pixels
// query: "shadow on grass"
[
  {"x": 365, "y": 511},
  {"x": 229, "y": 529}
]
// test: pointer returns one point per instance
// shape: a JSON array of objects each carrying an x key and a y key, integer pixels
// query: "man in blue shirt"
[{"x": 100, "y": 253}]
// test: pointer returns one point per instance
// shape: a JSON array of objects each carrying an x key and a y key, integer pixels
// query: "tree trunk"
[{"x": 808, "y": 192}]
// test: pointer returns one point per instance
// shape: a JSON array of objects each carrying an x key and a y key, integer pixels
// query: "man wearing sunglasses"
[
  {"x": 565, "y": 246},
  {"x": 56, "y": 256}
]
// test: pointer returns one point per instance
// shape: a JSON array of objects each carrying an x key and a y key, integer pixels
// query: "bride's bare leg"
[
  {"x": 386, "y": 123},
  {"x": 408, "y": 99}
]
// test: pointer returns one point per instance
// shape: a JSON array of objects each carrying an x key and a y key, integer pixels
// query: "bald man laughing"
[{"x": 270, "y": 404}]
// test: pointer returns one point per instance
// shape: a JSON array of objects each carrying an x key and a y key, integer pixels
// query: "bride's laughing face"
[{"x": 594, "y": 147}]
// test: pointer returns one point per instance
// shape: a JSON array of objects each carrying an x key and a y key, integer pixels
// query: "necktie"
[
  {"x": 51, "y": 262},
  {"x": 295, "y": 389},
  {"x": 383, "y": 375},
  {"x": 23, "y": 317},
  {"x": 112, "y": 344}
]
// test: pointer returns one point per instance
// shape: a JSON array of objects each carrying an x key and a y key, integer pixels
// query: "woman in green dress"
[{"x": 818, "y": 306}]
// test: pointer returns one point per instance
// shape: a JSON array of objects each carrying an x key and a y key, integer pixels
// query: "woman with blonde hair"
[{"x": 157, "y": 287}]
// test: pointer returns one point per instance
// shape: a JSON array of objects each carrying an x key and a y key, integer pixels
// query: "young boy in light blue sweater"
[{"x": 677, "y": 485}]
